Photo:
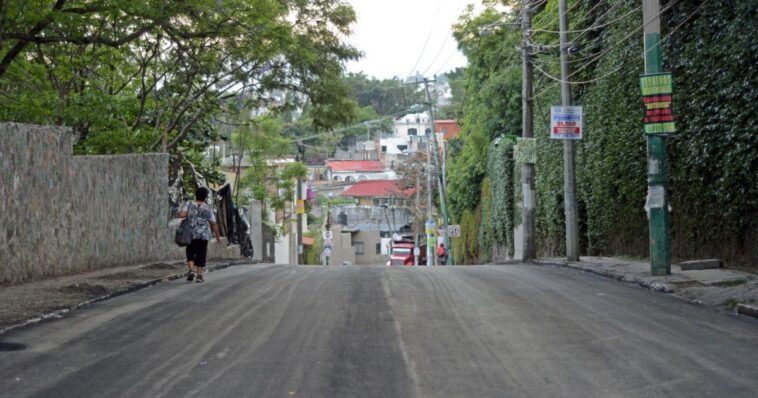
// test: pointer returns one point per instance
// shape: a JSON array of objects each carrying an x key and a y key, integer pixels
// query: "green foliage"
[
  {"x": 486, "y": 226},
  {"x": 384, "y": 96},
  {"x": 312, "y": 254},
  {"x": 492, "y": 103},
  {"x": 501, "y": 214},
  {"x": 712, "y": 157},
  {"x": 466, "y": 247},
  {"x": 138, "y": 76}
]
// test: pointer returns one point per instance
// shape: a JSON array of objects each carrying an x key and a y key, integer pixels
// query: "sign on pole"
[
  {"x": 525, "y": 150},
  {"x": 300, "y": 206},
  {"x": 566, "y": 122},
  {"x": 431, "y": 227},
  {"x": 454, "y": 230},
  {"x": 327, "y": 235},
  {"x": 657, "y": 90}
]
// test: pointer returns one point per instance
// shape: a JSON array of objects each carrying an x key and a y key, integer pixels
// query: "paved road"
[{"x": 282, "y": 331}]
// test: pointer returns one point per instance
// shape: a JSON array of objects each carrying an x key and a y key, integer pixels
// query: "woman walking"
[{"x": 202, "y": 221}]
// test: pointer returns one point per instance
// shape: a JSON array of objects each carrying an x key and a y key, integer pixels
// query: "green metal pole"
[{"x": 657, "y": 178}]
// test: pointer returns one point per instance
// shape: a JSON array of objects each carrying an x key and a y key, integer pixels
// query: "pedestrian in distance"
[
  {"x": 202, "y": 222},
  {"x": 441, "y": 254}
]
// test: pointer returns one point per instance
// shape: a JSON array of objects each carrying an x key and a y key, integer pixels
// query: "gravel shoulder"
[{"x": 35, "y": 301}]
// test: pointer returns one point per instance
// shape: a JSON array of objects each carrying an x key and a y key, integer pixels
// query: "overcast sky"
[{"x": 393, "y": 34}]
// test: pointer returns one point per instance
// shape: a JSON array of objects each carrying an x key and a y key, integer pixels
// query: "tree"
[{"x": 134, "y": 76}]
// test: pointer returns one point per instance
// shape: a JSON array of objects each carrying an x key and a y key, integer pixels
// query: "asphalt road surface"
[{"x": 490, "y": 331}]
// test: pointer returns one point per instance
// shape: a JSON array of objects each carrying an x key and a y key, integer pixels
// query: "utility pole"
[
  {"x": 657, "y": 177},
  {"x": 435, "y": 147},
  {"x": 429, "y": 194},
  {"x": 527, "y": 131},
  {"x": 418, "y": 217},
  {"x": 569, "y": 164},
  {"x": 300, "y": 157}
]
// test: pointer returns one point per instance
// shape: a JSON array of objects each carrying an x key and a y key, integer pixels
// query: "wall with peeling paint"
[{"x": 61, "y": 214}]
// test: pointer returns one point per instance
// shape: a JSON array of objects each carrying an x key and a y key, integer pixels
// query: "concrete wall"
[
  {"x": 61, "y": 214},
  {"x": 342, "y": 249}
]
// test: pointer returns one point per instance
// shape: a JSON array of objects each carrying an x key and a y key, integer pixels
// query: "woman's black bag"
[{"x": 183, "y": 234}]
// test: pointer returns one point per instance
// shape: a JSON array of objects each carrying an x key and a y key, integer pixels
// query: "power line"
[
  {"x": 449, "y": 33},
  {"x": 585, "y": 31},
  {"x": 552, "y": 21},
  {"x": 666, "y": 37},
  {"x": 471, "y": 72},
  {"x": 444, "y": 64},
  {"x": 593, "y": 27},
  {"x": 426, "y": 42}
]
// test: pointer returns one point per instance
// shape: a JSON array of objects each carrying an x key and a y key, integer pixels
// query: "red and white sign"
[{"x": 566, "y": 122}]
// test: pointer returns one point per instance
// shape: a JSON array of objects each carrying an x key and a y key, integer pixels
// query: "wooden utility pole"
[
  {"x": 657, "y": 174},
  {"x": 527, "y": 131},
  {"x": 569, "y": 164}
]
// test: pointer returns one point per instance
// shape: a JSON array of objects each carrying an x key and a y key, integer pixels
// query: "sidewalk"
[
  {"x": 734, "y": 291},
  {"x": 37, "y": 301}
]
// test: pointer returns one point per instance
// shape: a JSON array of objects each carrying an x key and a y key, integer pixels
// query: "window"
[
  {"x": 342, "y": 218},
  {"x": 378, "y": 248},
  {"x": 348, "y": 179},
  {"x": 444, "y": 130},
  {"x": 428, "y": 131},
  {"x": 361, "y": 178},
  {"x": 384, "y": 148},
  {"x": 358, "y": 248},
  {"x": 412, "y": 132},
  {"x": 401, "y": 148}
]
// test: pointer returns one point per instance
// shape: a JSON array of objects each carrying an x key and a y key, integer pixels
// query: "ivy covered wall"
[{"x": 711, "y": 49}]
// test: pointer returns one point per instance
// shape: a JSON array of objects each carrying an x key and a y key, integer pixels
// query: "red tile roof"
[
  {"x": 376, "y": 188},
  {"x": 355, "y": 165}
]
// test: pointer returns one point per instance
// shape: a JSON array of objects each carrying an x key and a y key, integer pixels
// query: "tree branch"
[{"x": 21, "y": 44}]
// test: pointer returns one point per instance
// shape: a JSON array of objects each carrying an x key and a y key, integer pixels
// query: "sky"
[{"x": 400, "y": 37}]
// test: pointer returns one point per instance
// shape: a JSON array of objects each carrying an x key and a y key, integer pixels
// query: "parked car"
[{"x": 402, "y": 253}]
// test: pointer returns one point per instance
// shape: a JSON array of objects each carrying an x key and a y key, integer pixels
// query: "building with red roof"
[
  {"x": 357, "y": 170},
  {"x": 378, "y": 192}
]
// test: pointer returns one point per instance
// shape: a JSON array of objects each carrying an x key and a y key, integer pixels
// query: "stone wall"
[{"x": 62, "y": 214}]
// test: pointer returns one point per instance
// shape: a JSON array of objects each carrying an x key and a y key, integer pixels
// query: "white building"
[{"x": 357, "y": 170}]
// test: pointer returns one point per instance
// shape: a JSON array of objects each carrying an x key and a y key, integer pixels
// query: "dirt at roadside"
[{"x": 19, "y": 303}]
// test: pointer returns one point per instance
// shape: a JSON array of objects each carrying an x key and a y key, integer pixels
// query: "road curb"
[
  {"x": 652, "y": 285},
  {"x": 133, "y": 288},
  {"x": 659, "y": 287}
]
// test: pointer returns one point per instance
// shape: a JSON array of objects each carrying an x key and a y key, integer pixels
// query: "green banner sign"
[{"x": 525, "y": 150}]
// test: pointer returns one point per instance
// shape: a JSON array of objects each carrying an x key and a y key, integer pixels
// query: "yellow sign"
[{"x": 300, "y": 208}]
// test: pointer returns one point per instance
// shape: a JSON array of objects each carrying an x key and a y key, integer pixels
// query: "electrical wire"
[
  {"x": 442, "y": 46},
  {"x": 552, "y": 21},
  {"x": 666, "y": 37},
  {"x": 447, "y": 61},
  {"x": 470, "y": 73},
  {"x": 614, "y": 45},
  {"x": 426, "y": 42},
  {"x": 594, "y": 26},
  {"x": 576, "y": 60}
]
